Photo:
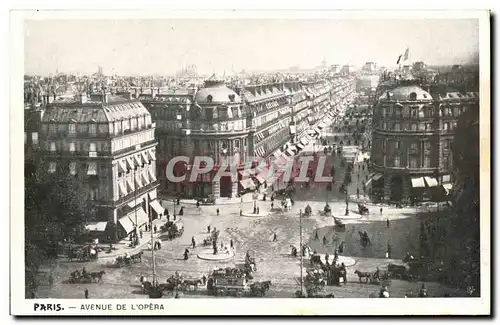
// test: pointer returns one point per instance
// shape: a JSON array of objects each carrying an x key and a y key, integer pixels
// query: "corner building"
[
  {"x": 412, "y": 137},
  {"x": 107, "y": 143}
]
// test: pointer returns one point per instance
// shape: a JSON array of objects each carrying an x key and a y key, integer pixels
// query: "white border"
[{"x": 361, "y": 306}]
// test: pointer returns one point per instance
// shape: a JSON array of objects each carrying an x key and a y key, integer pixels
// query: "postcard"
[{"x": 254, "y": 160}]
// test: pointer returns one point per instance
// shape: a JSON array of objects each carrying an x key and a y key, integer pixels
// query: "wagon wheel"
[
  {"x": 222, "y": 292},
  {"x": 239, "y": 293},
  {"x": 368, "y": 279}
]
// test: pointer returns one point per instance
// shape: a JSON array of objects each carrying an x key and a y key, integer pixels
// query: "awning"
[
  {"x": 152, "y": 177},
  {"x": 138, "y": 181},
  {"x": 156, "y": 206},
  {"x": 300, "y": 146},
  {"x": 247, "y": 183},
  {"x": 317, "y": 130},
  {"x": 321, "y": 126},
  {"x": 447, "y": 187},
  {"x": 277, "y": 153},
  {"x": 130, "y": 185},
  {"x": 373, "y": 177},
  {"x": 145, "y": 157},
  {"x": 130, "y": 163},
  {"x": 122, "y": 165},
  {"x": 122, "y": 189},
  {"x": 92, "y": 169},
  {"x": 142, "y": 217},
  {"x": 293, "y": 147},
  {"x": 127, "y": 224},
  {"x": 417, "y": 182},
  {"x": 262, "y": 176},
  {"x": 151, "y": 154},
  {"x": 304, "y": 141},
  {"x": 311, "y": 132},
  {"x": 431, "y": 181},
  {"x": 144, "y": 178},
  {"x": 97, "y": 226},
  {"x": 137, "y": 159},
  {"x": 290, "y": 152},
  {"x": 376, "y": 177}
]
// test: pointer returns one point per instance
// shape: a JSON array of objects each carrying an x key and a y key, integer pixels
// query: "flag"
[
  {"x": 407, "y": 52},
  {"x": 399, "y": 58}
]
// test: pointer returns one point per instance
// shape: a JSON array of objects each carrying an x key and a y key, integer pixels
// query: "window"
[
  {"x": 429, "y": 112},
  {"x": 72, "y": 168},
  {"x": 93, "y": 193},
  {"x": 446, "y": 163},
  {"x": 385, "y": 126},
  {"x": 413, "y": 96},
  {"x": 236, "y": 143},
  {"x": 92, "y": 169},
  {"x": 52, "y": 128},
  {"x": 427, "y": 161},
  {"x": 397, "y": 161},
  {"x": 414, "y": 146},
  {"x": 92, "y": 129},
  {"x": 52, "y": 167},
  {"x": 34, "y": 138},
  {"x": 397, "y": 127},
  {"x": 92, "y": 147},
  {"x": 384, "y": 145},
  {"x": 428, "y": 127},
  {"x": 413, "y": 162},
  {"x": 72, "y": 129},
  {"x": 397, "y": 144},
  {"x": 52, "y": 147},
  {"x": 414, "y": 112},
  {"x": 71, "y": 147},
  {"x": 446, "y": 126},
  {"x": 245, "y": 142},
  {"x": 414, "y": 126}
]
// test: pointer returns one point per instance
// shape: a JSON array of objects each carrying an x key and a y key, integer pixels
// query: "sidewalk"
[{"x": 122, "y": 246}]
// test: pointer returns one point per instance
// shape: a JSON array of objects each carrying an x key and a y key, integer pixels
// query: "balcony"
[
  {"x": 406, "y": 170},
  {"x": 130, "y": 196}
]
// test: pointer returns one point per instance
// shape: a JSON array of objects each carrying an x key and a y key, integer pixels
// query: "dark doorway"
[
  {"x": 396, "y": 188},
  {"x": 225, "y": 186}
]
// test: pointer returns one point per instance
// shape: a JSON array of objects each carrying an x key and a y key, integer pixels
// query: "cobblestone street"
[{"x": 273, "y": 259}]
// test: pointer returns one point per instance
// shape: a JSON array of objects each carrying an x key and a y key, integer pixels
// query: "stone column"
[{"x": 387, "y": 187}]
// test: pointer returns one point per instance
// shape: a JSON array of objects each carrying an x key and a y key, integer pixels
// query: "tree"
[{"x": 56, "y": 211}]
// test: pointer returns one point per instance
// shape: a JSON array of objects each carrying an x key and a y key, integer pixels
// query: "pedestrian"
[
  {"x": 241, "y": 212},
  {"x": 272, "y": 205},
  {"x": 275, "y": 237},
  {"x": 193, "y": 242},
  {"x": 381, "y": 211},
  {"x": 159, "y": 243},
  {"x": 208, "y": 228},
  {"x": 217, "y": 211},
  {"x": 388, "y": 223},
  {"x": 204, "y": 279},
  {"x": 258, "y": 210},
  {"x": 140, "y": 233},
  {"x": 198, "y": 204},
  {"x": 221, "y": 244},
  {"x": 325, "y": 241},
  {"x": 86, "y": 293},
  {"x": 357, "y": 192},
  {"x": 388, "y": 253},
  {"x": 316, "y": 237},
  {"x": 231, "y": 244},
  {"x": 51, "y": 280},
  {"x": 168, "y": 217},
  {"x": 155, "y": 229}
]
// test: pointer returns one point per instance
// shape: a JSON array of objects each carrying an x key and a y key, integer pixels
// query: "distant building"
[
  {"x": 107, "y": 143},
  {"x": 369, "y": 67},
  {"x": 347, "y": 69}
]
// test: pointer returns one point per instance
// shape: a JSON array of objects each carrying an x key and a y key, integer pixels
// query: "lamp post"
[{"x": 301, "y": 255}]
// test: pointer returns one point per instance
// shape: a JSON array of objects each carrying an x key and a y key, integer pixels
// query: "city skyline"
[{"x": 163, "y": 47}]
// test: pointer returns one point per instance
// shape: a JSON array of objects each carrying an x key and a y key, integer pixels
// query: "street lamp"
[{"x": 301, "y": 256}]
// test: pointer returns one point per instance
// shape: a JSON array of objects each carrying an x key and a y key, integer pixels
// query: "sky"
[{"x": 163, "y": 47}]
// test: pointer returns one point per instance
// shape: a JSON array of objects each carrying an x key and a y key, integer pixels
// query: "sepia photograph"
[{"x": 255, "y": 157}]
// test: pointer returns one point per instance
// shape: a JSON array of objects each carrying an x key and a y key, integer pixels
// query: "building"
[
  {"x": 107, "y": 143},
  {"x": 369, "y": 67},
  {"x": 413, "y": 129},
  {"x": 347, "y": 69},
  {"x": 265, "y": 120}
]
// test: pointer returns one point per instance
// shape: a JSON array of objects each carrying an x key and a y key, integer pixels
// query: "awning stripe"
[
  {"x": 156, "y": 206},
  {"x": 142, "y": 217},
  {"x": 151, "y": 154},
  {"x": 127, "y": 224},
  {"x": 122, "y": 189},
  {"x": 152, "y": 177},
  {"x": 122, "y": 165},
  {"x": 431, "y": 181}
]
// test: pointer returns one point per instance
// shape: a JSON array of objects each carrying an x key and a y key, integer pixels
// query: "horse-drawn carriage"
[
  {"x": 209, "y": 200},
  {"x": 173, "y": 229},
  {"x": 378, "y": 277},
  {"x": 223, "y": 282},
  {"x": 82, "y": 254},
  {"x": 339, "y": 225},
  {"x": 362, "y": 209},
  {"x": 398, "y": 271},
  {"x": 85, "y": 277},
  {"x": 127, "y": 260}
]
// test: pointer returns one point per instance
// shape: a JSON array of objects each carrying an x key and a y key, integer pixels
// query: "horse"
[
  {"x": 189, "y": 282},
  {"x": 366, "y": 275},
  {"x": 97, "y": 276},
  {"x": 137, "y": 256}
]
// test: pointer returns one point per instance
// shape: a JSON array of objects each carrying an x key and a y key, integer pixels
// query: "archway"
[{"x": 396, "y": 188}]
